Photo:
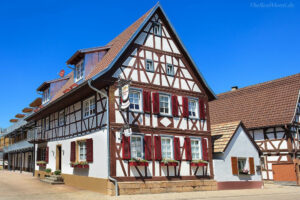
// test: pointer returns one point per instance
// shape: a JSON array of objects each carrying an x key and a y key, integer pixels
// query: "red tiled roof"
[{"x": 266, "y": 104}]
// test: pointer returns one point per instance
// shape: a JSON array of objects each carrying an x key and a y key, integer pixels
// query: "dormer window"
[
  {"x": 157, "y": 29},
  {"x": 46, "y": 95},
  {"x": 149, "y": 66},
  {"x": 79, "y": 68}
]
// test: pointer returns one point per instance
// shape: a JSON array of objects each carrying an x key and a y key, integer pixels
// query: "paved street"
[{"x": 16, "y": 186}]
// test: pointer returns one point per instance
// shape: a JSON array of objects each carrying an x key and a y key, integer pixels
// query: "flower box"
[
  {"x": 198, "y": 164},
  {"x": 80, "y": 166},
  {"x": 41, "y": 165},
  {"x": 169, "y": 164},
  {"x": 139, "y": 164}
]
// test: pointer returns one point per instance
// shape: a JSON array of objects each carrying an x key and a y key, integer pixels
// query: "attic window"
[
  {"x": 170, "y": 69},
  {"x": 157, "y": 29},
  {"x": 79, "y": 69},
  {"x": 46, "y": 95},
  {"x": 149, "y": 66}
]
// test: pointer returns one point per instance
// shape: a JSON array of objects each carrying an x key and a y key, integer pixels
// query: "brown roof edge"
[{"x": 46, "y": 83}]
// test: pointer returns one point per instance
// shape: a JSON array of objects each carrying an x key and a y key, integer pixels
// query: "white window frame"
[
  {"x": 156, "y": 24},
  {"x": 171, "y": 149},
  {"x": 152, "y": 65},
  {"x": 243, "y": 159},
  {"x": 141, "y": 147},
  {"x": 169, "y": 104},
  {"x": 81, "y": 146},
  {"x": 140, "y": 103},
  {"x": 199, "y": 148},
  {"x": 46, "y": 95},
  {"x": 61, "y": 119},
  {"x": 79, "y": 71},
  {"x": 88, "y": 108},
  {"x": 196, "y": 108},
  {"x": 172, "y": 71}
]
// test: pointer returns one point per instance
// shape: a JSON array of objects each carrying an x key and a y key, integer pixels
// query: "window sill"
[
  {"x": 195, "y": 118},
  {"x": 86, "y": 117},
  {"x": 165, "y": 115},
  {"x": 139, "y": 164},
  {"x": 136, "y": 111}
]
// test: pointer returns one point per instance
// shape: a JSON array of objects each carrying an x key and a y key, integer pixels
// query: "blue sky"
[{"x": 232, "y": 42}]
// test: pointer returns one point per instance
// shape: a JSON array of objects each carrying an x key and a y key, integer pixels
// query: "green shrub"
[
  {"x": 57, "y": 172},
  {"x": 48, "y": 170}
]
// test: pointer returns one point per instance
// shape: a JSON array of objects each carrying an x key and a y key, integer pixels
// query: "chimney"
[{"x": 234, "y": 88}]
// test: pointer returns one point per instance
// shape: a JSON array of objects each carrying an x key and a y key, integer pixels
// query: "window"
[
  {"x": 262, "y": 162},
  {"x": 135, "y": 100},
  {"x": 47, "y": 124},
  {"x": 241, "y": 164},
  {"x": 164, "y": 104},
  {"x": 166, "y": 148},
  {"x": 79, "y": 71},
  {"x": 136, "y": 147},
  {"x": 193, "y": 108},
  {"x": 89, "y": 107},
  {"x": 46, "y": 95},
  {"x": 196, "y": 149},
  {"x": 149, "y": 66},
  {"x": 170, "y": 69},
  {"x": 82, "y": 150},
  {"x": 61, "y": 118},
  {"x": 157, "y": 29},
  {"x": 43, "y": 154}
]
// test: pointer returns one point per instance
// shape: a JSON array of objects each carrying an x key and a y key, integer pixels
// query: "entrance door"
[
  {"x": 29, "y": 163},
  {"x": 58, "y": 157}
]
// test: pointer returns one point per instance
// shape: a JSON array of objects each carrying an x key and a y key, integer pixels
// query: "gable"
[{"x": 162, "y": 50}]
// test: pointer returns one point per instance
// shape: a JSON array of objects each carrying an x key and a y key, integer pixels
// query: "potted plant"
[
  {"x": 57, "y": 172},
  {"x": 48, "y": 172},
  {"x": 138, "y": 162},
  {"x": 80, "y": 164},
  {"x": 199, "y": 163},
  {"x": 169, "y": 162},
  {"x": 244, "y": 171},
  {"x": 41, "y": 163}
]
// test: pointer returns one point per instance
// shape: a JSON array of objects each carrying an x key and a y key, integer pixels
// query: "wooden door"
[{"x": 58, "y": 157}]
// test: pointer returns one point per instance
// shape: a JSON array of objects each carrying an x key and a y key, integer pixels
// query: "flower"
[
  {"x": 137, "y": 160},
  {"x": 199, "y": 161}
]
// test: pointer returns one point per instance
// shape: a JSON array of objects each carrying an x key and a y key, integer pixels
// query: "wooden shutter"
[
  {"x": 204, "y": 149},
  {"x": 251, "y": 166},
  {"x": 73, "y": 151},
  {"x": 174, "y": 106},
  {"x": 148, "y": 147},
  {"x": 89, "y": 150},
  {"x": 126, "y": 148},
  {"x": 202, "y": 109},
  {"x": 234, "y": 165},
  {"x": 155, "y": 98},
  {"x": 185, "y": 107},
  {"x": 177, "y": 148},
  {"x": 157, "y": 145},
  {"x": 188, "y": 150},
  {"x": 47, "y": 155},
  {"x": 146, "y": 101},
  {"x": 38, "y": 156}
]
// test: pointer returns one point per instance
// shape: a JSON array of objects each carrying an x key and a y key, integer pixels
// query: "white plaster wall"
[
  {"x": 240, "y": 146},
  {"x": 97, "y": 169}
]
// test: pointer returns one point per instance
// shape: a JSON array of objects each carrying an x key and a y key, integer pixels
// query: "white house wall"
[{"x": 239, "y": 146}]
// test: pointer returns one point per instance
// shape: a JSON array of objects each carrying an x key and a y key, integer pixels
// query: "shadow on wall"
[
  {"x": 245, "y": 177},
  {"x": 81, "y": 172}
]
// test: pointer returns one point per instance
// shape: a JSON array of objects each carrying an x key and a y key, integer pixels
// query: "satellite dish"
[{"x": 62, "y": 73}]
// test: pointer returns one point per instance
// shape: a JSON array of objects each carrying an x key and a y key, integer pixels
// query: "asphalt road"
[{"x": 16, "y": 186}]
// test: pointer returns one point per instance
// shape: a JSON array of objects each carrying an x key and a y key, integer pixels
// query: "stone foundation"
[{"x": 129, "y": 188}]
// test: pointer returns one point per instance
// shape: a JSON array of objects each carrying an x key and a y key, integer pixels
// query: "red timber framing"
[{"x": 74, "y": 123}]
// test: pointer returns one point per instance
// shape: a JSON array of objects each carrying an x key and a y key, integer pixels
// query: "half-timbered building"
[
  {"x": 270, "y": 112},
  {"x": 162, "y": 135}
]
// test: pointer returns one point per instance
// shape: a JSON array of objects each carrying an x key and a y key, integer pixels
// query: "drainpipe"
[{"x": 108, "y": 142}]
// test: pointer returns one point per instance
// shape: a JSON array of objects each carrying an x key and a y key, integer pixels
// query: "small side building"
[{"x": 236, "y": 161}]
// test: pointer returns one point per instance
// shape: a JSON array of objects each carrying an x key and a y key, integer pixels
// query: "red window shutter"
[
  {"x": 234, "y": 166},
  {"x": 147, "y": 101},
  {"x": 188, "y": 150},
  {"x": 38, "y": 156},
  {"x": 204, "y": 149},
  {"x": 202, "y": 109},
  {"x": 185, "y": 107},
  {"x": 174, "y": 106},
  {"x": 126, "y": 148},
  {"x": 157, "y": 144},
  {"x": 47, "y": 155},
  {"x": 89, "y": 150},
  {"x": 148, "y": 147},
  {"x": 251, "y": 165},
  {"x": 73, "y": 151},
  {"x": 155, "y": 97},
  {"x": 176, "y": 148}
]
